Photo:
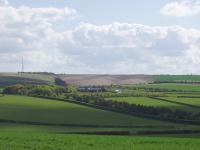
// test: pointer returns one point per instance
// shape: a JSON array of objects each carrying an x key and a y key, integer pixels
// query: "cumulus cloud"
[
  {"x": 4, "y": 2},
  {"x": 181, "y": 8},
  {"x": 89, "y": 48}
]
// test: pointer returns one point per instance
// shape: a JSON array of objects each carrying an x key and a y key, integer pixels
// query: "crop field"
[
  {"x": 20, "y": 141},
  {"x": 153, "y": 102},
  {"x": 30, "y": 123},
  {"x": 48, "y": 111},
  {"x": 43, "y": 77},
  {"x": 29, "y": 128},
  {"x": 170, "y": 86},
  {"x": 186, "y": 100},
  {"x": 168, "y": 78},
  {"x": 11, "y": 80}
]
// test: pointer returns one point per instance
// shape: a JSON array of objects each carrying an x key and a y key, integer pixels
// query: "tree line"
[{"x": 98, "y": 99}]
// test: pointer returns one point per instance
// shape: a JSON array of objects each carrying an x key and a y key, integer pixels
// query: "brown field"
[
  {"x": 105, "y": 79},
  {"x": 87, "y": 79}
]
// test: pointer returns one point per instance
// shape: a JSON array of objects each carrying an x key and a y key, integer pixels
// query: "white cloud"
[
  {"x": 4, "y": 2},
  {"x": 182, "y": 8},
  {"x": 88, "y": 48}
]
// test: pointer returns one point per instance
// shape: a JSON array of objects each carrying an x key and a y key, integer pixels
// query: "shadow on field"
[{"x": 171, "y": 133}]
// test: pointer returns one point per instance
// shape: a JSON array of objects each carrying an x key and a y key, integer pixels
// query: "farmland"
[
  {"x": 21, "y": 141},
  {"x": 187, "y": 100},
  {"x": 170, "y": 86},
  {"x": 154, "y": 102},
  {"x": 34, "y": 76},
  {"x": 49, "y": 111},
  {"x": 46, "y": 116},
  {"x": 173, "y": 78},
  {"x": 24, "y": 78}
]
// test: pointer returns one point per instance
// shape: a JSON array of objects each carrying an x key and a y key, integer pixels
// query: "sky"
[{"x": 100, "y": 37}]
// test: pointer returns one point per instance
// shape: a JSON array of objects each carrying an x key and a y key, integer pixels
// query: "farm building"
[{"x": 91, "y": 89}]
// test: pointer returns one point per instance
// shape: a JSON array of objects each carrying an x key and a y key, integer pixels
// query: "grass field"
[
  {"x": 77, "y": 120},
  {"x": 36, "y": 76},
  {"x": 20, "y": 141},
  {"x": 43, "y": 77},
  {"x": 49, "y": 111},
  {"x": 170, "y": 86},
  {"x": 191, "y": 101},
  {"x": 163, "y": 78},
  {"x": 153, "y": 102},
  {"x": 7, "y": 79},
  {"x": 28, "y": 128}
]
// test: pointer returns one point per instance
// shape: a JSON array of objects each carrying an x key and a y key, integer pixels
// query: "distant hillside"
[
  {"x": 91, "y": 79},
  {"x": 105, "y": 79},
  {"x": 24, "y": 78},
  {"x": 177, "y": 78}
]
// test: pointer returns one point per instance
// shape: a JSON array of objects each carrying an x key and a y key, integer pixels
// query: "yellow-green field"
[
  {"x": 49, "y": 111},
  {"x": 21, "y": 141},
  {"x": 146, "y": 101}
]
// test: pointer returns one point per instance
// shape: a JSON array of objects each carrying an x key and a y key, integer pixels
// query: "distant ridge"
[{"x": 95, "y": 79}]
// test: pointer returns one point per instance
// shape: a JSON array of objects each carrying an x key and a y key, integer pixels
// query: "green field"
[
  {"x": 7, "y": 79},
  {"x": 170, "y": 86},
  {"x": 191, "y": 101},
  {"x": 36, "y": 76},
  {"x": 163, "y": 78},
  {"x": 153, "y": 102},
  {"x": 21, "y": 141},
  {"x": 50, "y": 111},
  {"x": 63, "y": 125},
  {"x": 43, "y": 77},
  {"x": 12, "y": 80}
]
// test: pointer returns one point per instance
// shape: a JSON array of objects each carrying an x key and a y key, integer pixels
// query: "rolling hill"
[
  {"x": 22, "y": 108},
  {"x": 90, "y": 79}
]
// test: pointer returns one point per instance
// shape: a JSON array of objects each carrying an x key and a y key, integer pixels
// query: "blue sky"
[
  {"x": 108, "y": 11},
  {"x": 108, "y": 37}
]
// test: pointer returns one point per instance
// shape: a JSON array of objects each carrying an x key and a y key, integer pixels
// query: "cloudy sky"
[{"x": 101, "y": 36}]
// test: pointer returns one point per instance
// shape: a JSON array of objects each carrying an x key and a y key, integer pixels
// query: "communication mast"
[{"x": 22, "y": 69}]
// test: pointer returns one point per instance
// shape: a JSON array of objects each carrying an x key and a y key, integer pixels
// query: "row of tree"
[
  {"x": 163, "y": 113},
  {"x": 39, "y": 90},
  {"x": 98, "y": 99}
]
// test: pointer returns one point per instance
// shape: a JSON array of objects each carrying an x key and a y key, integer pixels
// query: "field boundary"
[
  {"x": 78, "y": 125},
  {"x": 123, "y": 112},
  {"x": 180, "y": 103},
  {"x": 129, "y": 133}
]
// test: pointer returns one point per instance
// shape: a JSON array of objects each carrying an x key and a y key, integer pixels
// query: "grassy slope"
[
  {"x": 14, "y": 78},
  {"x": 192, "y": 101},
  {"x": 176, "y": 77},
  {"x": 35, "y": 109},
  {"x": 152, "y": 102},
  {"x": 43, "y": 77},
  {"x": 26, "y": 128},
  {"x": 85, "y": 142},
  {"x": 170, "y": 86}
]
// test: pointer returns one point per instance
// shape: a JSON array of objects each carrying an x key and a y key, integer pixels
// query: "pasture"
[
  {"x": 21, "y": 141},
  {"x": 170, "y": 86},
  {"x": 171, "y": 78},
  {"x": 187, "y": 100},
  {"x": 29, "y": 123},
  {"x": 49, "y": 111},
  {"x": 146, "y": 101}
]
